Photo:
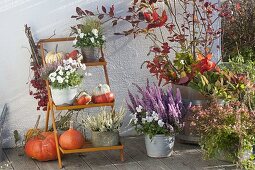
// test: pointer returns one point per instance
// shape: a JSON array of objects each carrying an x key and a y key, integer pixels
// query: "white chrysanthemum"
[
  {"x": 182, "y": 62},
  {"x": 161, "y": 123},
  {"x": 53, "y": 74},
  {"x": 52, "y": 79},
  {"x": 87, "y": 74},
  {"x": 81, "y": 35},
  {"x": 61, "y": 72},
  {"x": 68, "y": 73},
  {"x": 139, "y": 108},
  {"x": 60, "y": 79},
  {"x": 75, "y": 41},
  {"x": 103, "y": 37},
  {"x": 92, "y": 39},
  {"x": 95, "y": 32},
  {"x": 59, "y": 68},
  {"x": 79, "y": 31},
  {"x": 83, "y": 66}
]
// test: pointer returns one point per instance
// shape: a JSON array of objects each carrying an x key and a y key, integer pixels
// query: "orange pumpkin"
[
  {"x": 42, "y": 147},
  {"x": 71, "y": 139}
]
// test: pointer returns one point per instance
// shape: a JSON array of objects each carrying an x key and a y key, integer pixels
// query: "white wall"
[{"x": 123, "y": 54}]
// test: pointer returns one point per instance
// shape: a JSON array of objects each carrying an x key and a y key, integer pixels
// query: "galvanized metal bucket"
[
  {"x": 105, "y": 138},
  {"x": 159, "y": 146},
  {"x": 90, "y": 54}
]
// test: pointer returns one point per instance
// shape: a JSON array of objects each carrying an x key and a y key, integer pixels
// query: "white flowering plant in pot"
[
  {"x": 88, "y": 34},
  {"x": 64, "y": 77},
  {"x": 67, "y": 74}
]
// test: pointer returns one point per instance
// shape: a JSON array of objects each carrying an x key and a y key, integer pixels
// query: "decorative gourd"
[
  {"x": 83, "y": 98},
  {"x": 42, "y": 147},
  {"x": 104, "y": 98},
  {"x": 102, "y": 94},
  {"x": 71, "y": 139},
  {"x": 101, "y": 89},
  {"x": 54, "y": 56}
]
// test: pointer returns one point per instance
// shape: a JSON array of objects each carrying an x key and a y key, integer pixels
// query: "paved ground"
[{"x": 185, "y": 157}]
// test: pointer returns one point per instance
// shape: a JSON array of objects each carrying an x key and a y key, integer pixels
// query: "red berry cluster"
[{"x": 39, "y": 92}]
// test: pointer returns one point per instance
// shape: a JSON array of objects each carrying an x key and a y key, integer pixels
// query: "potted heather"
[
  {"x": 105, "y": 127},
  {"x": 64, "y": 77},
  {"x": 89, "y": 38},
  {"x": 157, "y": 114}
]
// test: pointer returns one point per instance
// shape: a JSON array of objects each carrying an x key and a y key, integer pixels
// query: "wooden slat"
[
  {"x": 49, "y": 165},
  {"x": 56, "y": 40},
  {"x": 74, "y": 107},
  {"x": 129, "y": 166},
  {"x": 74, "y": 162},
  {"x": 97, "y": 160},
  {"x": 153, "y": 165},
  {"x": 20, "y": 160},
  {"x": 6, "y": 163},
  {"x": 89, "y": 148}
]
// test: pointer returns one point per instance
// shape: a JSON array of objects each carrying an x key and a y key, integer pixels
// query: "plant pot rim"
[
  {"x": 69, "y": 87},
  {"x": 160, "y": 135}
]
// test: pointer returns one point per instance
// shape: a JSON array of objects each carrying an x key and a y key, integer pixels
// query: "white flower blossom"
[
  {"x": 75, "y": 41},
  {"x": 143, "y": 120},
  {"x": 53, "y": 74},
  {"x": 61, "y": 72},
  {"x": 79, "y": 31},
  {"x": 81, "y": 35},
  {"x": 155, "y": 116},
  {"x": 66, "y": 80},
  {"x": 103, "y": 37},
  {"x": 161, "y": 123},
  {"x": 68, "y": 73},
  {"x": 72, "y": 70},
  {"x": 52, "y": 79},
  {"x": 95, "y": 32},
  {"x": 59, "y": 68},
  {"x": 92, "y": 39},
  {"x": 60, "y": 79},
  {"x": 87, "y": 74},
  {"x": 182, "y": 62},
  {"x": 139, "y": 108},
  {"x": 135, "y": 120},
  {"x": 149, "y": 119},
  {"x": 83, "y": 66}
]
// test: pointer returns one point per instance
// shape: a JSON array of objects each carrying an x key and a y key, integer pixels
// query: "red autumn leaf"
[
  {"x": 155, "y": 16},
  {"x": 103, "y": 9},
  {"x": 159, "y": 22},
  {"x": 166, "y": 48}
]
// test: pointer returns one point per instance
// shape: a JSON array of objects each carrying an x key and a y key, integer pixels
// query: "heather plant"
[
  {"x": 156, "y": 111},
  {"x": 226, "y": 130}
]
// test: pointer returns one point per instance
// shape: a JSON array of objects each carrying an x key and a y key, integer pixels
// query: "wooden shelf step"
[
  {"x": 88, "y": 147},
  {"x": 75, "y": 107}
]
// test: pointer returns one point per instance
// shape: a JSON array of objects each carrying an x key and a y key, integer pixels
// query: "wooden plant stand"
[{"x": 51, "y": 107}]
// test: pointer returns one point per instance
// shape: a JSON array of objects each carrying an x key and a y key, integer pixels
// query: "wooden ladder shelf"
[{"x": 51, "y": 107}]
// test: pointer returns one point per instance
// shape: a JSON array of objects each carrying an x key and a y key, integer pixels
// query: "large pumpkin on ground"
[{"x": 42, "y": 147}]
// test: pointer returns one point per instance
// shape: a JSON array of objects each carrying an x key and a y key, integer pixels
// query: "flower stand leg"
[{"x": 56, "y": 137}]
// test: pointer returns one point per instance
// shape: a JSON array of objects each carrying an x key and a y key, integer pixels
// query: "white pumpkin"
[
  {"x": 52, "y": 57},
  {"x": 101, "y": 89}
]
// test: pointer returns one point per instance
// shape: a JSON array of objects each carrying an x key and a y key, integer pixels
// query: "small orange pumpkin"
[{"x": 71, "y": 139}]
